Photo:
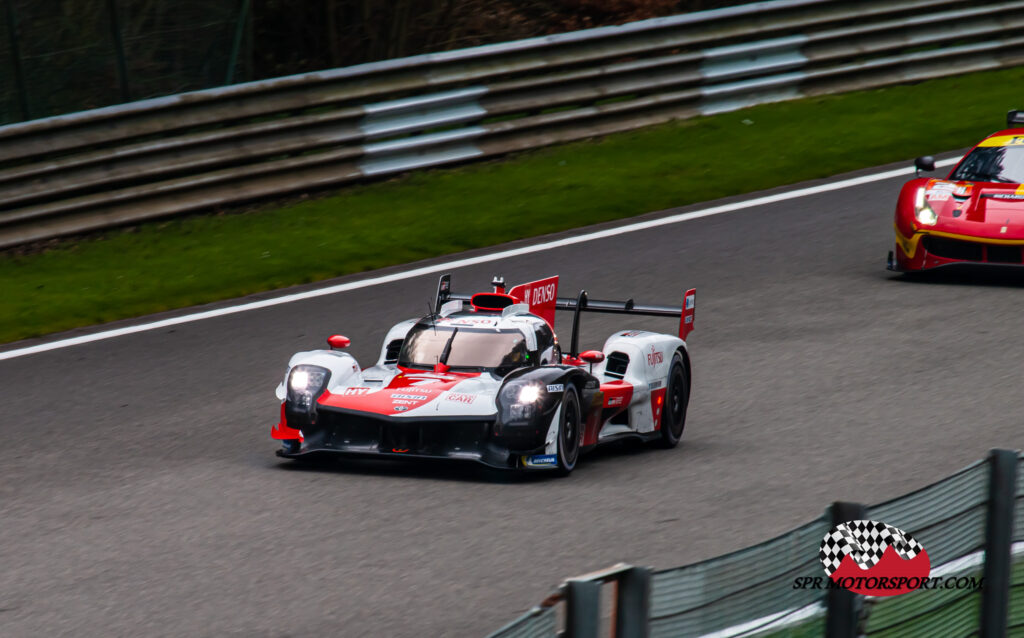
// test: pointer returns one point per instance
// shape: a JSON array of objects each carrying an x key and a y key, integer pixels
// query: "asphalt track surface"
[{"x": 140, "y": 496}]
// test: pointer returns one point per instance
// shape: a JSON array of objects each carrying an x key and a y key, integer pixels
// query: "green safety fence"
[{"x": 971, "y": 524}]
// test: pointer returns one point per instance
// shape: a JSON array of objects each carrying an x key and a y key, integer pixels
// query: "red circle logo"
[{"x": 874, "y": 559}]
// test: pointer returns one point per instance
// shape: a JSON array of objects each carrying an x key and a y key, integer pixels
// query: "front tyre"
[
  {"x": 677, "y": 397},
  {"x": 570, "y": 431}
]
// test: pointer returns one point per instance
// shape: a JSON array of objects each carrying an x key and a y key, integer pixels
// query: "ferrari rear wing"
[{"x": 546, "y": 304}]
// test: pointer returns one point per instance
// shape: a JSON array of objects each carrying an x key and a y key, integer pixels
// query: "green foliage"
[{"x": 205, "y": 258}]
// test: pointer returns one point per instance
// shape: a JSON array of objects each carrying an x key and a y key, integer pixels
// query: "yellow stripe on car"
[{"x": 909, "y": 244}]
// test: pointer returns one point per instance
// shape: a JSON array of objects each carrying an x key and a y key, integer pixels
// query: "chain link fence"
[{"x": 72, "y": 55}]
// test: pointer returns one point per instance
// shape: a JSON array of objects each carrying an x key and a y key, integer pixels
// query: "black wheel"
[
  {"x": 570, "y": 431},
  {"x": 677, "y": 396}
]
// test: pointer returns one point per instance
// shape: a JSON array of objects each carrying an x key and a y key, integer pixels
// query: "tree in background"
[{"x": 72, "y": 55}]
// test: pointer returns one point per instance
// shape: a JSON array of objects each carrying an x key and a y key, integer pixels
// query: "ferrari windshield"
[
  {"x": 473, "y": 348},
  {"x": 992, "y": 164}
]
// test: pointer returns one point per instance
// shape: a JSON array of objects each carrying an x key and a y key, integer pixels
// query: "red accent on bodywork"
[
  {"x": 657, "y": 405},
  {"x": 573, "y": 361},
  {"x": 491, "y": 301},
  {"x": 422, "y": 385},
  {"x": 617, "y": 394},
  {"x": 541, "y": 296},
  {"x": 686, "y": 321},
  {"x": 282, "y": 432},
  {"x": 337, "y": 342}
]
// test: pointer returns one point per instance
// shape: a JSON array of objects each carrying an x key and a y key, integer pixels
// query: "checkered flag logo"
[{"x": 866, "y": 541}]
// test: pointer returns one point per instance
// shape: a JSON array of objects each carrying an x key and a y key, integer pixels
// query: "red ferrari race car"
[
  {"x": 483, "y": 378},
  {"x": 975, "y": 215}
]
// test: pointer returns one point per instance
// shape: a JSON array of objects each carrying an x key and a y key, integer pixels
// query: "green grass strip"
[{"x": 194, "y": 260}]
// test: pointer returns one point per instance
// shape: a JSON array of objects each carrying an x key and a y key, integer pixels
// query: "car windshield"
[
  {"x": 471, "y": 348},
  {"x": 992, "y": 164}
]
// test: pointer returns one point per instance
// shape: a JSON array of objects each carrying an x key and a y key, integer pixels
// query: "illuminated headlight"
[
  {"x": 522, "y": 400},
  {"x": 529, "y": 393},
  {"x": 305, "y": 383},
  {"x": 923, "y": 213}
]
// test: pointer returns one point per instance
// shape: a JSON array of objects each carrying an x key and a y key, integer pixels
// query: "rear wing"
[{"x": 582, "y": 303}]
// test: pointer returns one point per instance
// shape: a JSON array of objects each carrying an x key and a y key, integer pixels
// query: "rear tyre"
[
  {"x": 570, "y": 431},
  {"x": 677, "y": 397}
]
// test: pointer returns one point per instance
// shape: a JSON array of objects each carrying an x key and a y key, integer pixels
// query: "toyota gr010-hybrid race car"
[
  {"x": 483, "y": 378},
  {"x": 975, "y": 215}
]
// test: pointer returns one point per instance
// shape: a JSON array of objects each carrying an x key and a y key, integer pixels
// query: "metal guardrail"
[
  {"x": 969, "y": 524},
  {"x": 196, "y": 151}
]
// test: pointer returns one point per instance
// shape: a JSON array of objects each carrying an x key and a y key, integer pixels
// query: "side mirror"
[
  {"x": 592, "y": 356},
  {"x": 924, "y": 163},
  {"x": 337, "y": 342}
]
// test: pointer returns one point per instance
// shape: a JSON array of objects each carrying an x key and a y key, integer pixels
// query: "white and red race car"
[{"x": 483, "y": 378}]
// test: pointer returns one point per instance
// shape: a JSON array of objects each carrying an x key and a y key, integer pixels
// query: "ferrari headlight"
[
  {"x": 305, "y": 383},
  {"x": 923, "y": 213}
]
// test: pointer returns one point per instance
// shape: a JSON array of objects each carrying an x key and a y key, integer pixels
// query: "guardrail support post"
[
  {"x": 995, "y": 594},
  {"x": 843, "y": 606},
  {"x": 582, "y": 606},
  {"x": 633, "y": 603}
]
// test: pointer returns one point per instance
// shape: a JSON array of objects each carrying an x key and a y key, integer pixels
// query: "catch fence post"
[
  {"x": 995, "y": 592},
  {"x": 582, "y": 604},
  {"x": 843, "y": 606},
  {"x": 19, "y": 72},
  {"x": 633, "y": 603}
]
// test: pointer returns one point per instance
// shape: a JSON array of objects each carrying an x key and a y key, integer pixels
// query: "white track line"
[{"x": 460, "y": 263}]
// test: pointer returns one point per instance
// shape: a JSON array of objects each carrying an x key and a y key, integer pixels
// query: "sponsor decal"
[
  {"x": 941, "y": 186},
  {"x": 467, "y": 321},
  {"x": 461, "y": 397},
  {"x": 688, "y": 320},
  {"x": 613, "y": 401},
  {"x": 654, "y": 385},
  {"x": 1009, "y": 196},
  {"x": 540, "y": 460},
  {"x": 654, "y": 357},
  {"x": 539, "y": 294},
  {"x": 413, "y": 397},
  {"x": 355, "y": 391},
  {"x": 402, "y": 402},
  {"x": 401, "y": 408},
  {"x": 690, "y": 299},
  {"x": 937, "y": 195},
  {"x": 632, "y": 333},
  {"x": 1015, "y": 141},
  {"x": 556, "y": 387},
  {"x": 873, "y": 558}
]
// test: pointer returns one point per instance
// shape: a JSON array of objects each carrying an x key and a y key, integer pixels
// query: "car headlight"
[
  {"x": 924, "y": 213},
  {"x": 521, "y": 400},
  {"x": 529, "y": 393},
  {"x": 305, "y": 383}
]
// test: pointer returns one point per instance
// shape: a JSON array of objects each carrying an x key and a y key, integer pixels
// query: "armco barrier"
[
  {"x": 128, "y": 163},
  {"x": 971, "y": 524}
]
